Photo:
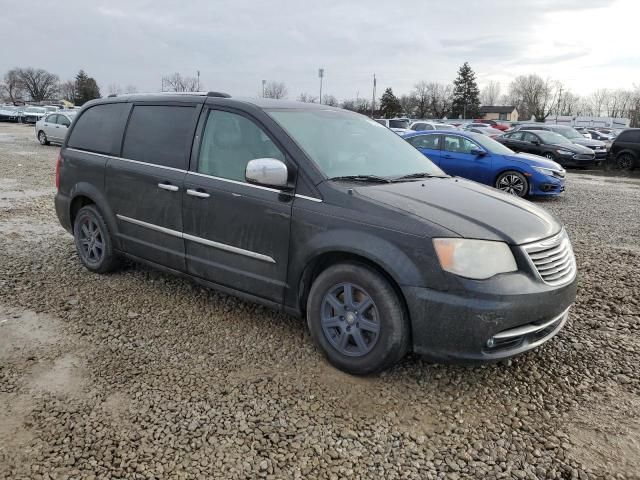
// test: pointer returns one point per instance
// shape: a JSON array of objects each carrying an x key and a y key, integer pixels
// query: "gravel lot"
[{"x": 141, "y": 375}]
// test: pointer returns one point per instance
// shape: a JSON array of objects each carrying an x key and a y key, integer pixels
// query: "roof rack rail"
[
  {"x": 112, "y": 95},
  {"x": 218, "y": 94}
]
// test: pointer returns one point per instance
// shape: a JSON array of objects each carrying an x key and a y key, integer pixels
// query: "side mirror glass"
[
  {"x": 270, "y": 172},
  {"x": 478, "y": 152}
]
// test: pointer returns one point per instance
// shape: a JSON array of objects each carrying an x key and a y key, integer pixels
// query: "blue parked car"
[{"x": 482, "y": 159}]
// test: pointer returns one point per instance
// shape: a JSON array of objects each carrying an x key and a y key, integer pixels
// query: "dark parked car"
[
  {"x": 319, "y": 212},
  {"x": 625, "y": 149},
  {"x": 598, "y": 147},
  {"x": 550, "y": 145},
  {"x": 476, "y": 157}
]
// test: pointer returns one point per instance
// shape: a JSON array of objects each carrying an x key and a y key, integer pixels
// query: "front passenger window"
[{"x": 229, "y": 142}]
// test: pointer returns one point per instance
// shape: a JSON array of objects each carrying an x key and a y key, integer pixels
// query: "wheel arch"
[
  {"x": 83, "y": 194},
  {"x": 320, "y": 262}
]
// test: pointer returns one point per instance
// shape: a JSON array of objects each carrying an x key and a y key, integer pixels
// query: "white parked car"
[
  {"x": 422, "y": 125},
  {"x": 53, "y": 127},
  {"x": 398, "y": 125}
]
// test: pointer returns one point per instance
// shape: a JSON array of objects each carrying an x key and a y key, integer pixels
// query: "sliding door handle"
[
  {"x": 197, "y": 193},
  {"x": 168, "y": 186}
]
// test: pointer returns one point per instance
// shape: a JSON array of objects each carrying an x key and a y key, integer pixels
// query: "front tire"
[
  {"x": 550, "y": 156},
  {"x": 513, "y": 182},
  {"x": 42, "y": 138},
  {"x": 356, "y": 319},
  {"x": 93, "y": 241}
]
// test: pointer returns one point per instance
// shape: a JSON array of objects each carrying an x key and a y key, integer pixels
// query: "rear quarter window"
[
  {"x": 99, "y": 128},
  {"x": 160, "y": 134}
]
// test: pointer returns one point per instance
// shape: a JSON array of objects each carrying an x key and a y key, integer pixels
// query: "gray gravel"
[{"x": 142, "y": 375}]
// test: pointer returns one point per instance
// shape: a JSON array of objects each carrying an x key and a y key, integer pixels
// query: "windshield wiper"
[
  {"x": 363, "y": 178},
  {"x": 416, "y": 175}
]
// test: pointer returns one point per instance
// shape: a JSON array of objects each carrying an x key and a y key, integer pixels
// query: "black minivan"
[{"x": 322, "y": 213}]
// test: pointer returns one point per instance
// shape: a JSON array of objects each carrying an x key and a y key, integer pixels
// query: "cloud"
[{"x": 237, "y": 43}]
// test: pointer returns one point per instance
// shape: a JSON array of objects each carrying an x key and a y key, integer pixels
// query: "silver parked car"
[{"x": 53, "y": 127}]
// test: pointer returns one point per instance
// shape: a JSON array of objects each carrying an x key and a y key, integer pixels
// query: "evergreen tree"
[
  {"x": 389, "y": 104},
  {"x": 466, "y": 95},
  {"x": 86, "y": 88}
]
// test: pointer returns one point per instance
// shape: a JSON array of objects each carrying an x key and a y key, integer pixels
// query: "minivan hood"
[{"x": 467, "y": 208}]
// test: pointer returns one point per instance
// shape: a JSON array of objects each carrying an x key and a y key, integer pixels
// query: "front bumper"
[
  {"x": 459, "y": 326},
  {"x": 546, "y": 185}
]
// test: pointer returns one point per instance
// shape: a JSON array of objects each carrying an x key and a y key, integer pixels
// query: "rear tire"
[
  {"x": 624, "y": 161},
  {"x": 513, "y": 182},
  {"x": 42, "y": 138},
  {"x": 356, "y": 319},
  {"x": 93, "y": 241}
]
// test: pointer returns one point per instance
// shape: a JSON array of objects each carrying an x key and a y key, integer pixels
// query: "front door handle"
[
  {"x": 197, "y": 193},
  {"x": 447, "y": 156},
  {"x": 168, "y": 186}
]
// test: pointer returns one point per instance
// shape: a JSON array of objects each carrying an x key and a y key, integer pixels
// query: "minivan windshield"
[{"x": 343, "y": 143}]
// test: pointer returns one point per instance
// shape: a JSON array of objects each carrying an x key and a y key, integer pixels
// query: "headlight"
[
  {"x": 565, "y": 152},
  {"x": 544, "y": 171},
  {"x": 477, "y": 259}
]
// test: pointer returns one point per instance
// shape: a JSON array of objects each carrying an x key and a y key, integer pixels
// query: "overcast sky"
[{"x": 586, "y": 44}]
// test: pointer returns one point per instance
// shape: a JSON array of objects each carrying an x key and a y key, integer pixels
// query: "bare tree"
[
  {"x": 178, "y": 83},
  {"x": 360, "y": 105},
  {"x": 421, "y": 94},
  {"x": 38, "y": 83},
  {"x": 130, "y": 89},
  {"x": 490, "y": 93},
  {"x": 275, "y": 90},
  {"x": 330, "y": 100},
  {"x": 307, "y": 98},
  {"x": 12, "y": 87},
  {"x": 440, "y": 99},
  {"x": 114, "y": 89},
  {"x": 68, "y": 90},
  {"x": 408, "y": 103},
  {"x": 599, "y": 99},
  {"x": 533, "y": 96}
]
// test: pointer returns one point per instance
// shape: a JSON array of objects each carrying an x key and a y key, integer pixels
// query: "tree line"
[
  {"x": 38, "y": 85},
  {"x": 534, "y": 97}
]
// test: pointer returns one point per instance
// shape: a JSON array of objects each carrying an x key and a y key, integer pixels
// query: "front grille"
[
  {"x": 584, "y": 156},
  {"x": 553, "y": 259}
]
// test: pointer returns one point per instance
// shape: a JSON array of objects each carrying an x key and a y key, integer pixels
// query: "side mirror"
[
  {"x": 478, "y": 152},
  {"x": 270, "y": 172},
  {"x": 536, "y": 142}
]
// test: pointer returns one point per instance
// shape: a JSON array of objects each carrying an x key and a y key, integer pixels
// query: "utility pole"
[
  {"x": 198, "y": 81},
  {"x": 264, "y": 83},
  {"x": 373, "y": 98},
  {"x": 321, "y": 75}
]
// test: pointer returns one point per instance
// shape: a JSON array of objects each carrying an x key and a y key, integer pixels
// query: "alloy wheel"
[
  {"x": 42, "y": 138},
  {"x": 550, "y": 156},
  {"x": 512, "y": 184},
  {"x": 91, "y": 241},
  {"x": 625, "y": 161},
  {"x": 350, "y": 319}
]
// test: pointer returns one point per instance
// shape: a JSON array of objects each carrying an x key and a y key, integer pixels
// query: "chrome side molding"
[{"x": 200, "y": 240}]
